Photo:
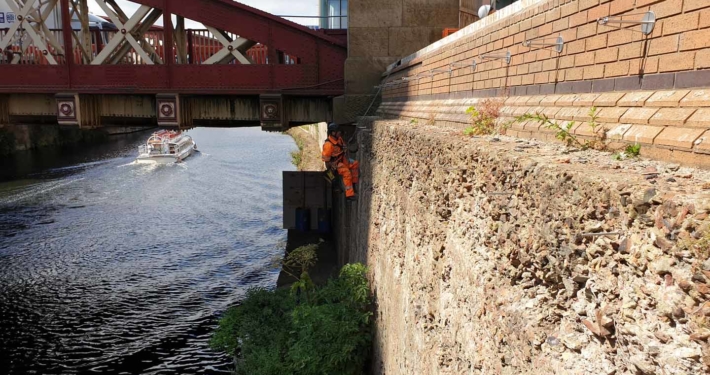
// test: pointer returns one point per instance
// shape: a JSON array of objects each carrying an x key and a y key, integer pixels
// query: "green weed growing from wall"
[{"x": 307, "y": 330}]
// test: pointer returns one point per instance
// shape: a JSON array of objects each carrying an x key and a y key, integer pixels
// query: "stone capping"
[
  {"x": 466, "y": 31},
  {"x": 675, "y": 120},
  {"x": 664, "y": 81},
  {"x": 675, "y": 55}
]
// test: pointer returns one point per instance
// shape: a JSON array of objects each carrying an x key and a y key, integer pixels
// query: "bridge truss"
[{"x": 241, "y": 51}]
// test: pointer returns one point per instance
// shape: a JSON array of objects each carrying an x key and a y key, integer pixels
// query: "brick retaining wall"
[{"x": 672, "y": 56}]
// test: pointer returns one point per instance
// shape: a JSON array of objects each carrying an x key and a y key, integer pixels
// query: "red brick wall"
[{"x": 678, "y": 46}]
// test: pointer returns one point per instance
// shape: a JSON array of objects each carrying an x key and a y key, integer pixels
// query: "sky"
[{"x": 277, "y": 7}]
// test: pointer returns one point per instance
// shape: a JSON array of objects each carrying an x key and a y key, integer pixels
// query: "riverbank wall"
[
  {"x": 21, "y": 137},
  {"x": 512, "y": 253},
  {"x": 16, "y": 137},
  {"x": 508, "y": 256}
]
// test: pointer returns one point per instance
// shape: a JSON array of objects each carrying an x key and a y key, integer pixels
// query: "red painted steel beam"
[
  {"x": 203, "y": 10},
  {"x": 67, "y": 36},
  {"x": 153, "y": 79},
  {"x": 272, "y": 31},
  {"x": 168, "y": 55},
  {"x": 320, "y": 72}
]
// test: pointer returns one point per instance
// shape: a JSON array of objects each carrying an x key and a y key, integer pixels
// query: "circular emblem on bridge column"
[
  {"x": 271, "y": 111},
  {"x": 66, "y": 109},
  {"x": 167, "y": 110}
]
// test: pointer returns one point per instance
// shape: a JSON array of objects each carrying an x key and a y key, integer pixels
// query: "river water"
[{"x": 111, "y": 267}]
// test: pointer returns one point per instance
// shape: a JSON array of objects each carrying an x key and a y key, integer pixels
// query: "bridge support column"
[
  {"x": 168, "y": 109},
  {"x": 81, "y": 110},
  {"x": 271, "y": 112},
  {"x": 173, "y": 110},
  {"x": 68, "y": 109},
  {"x": 4, "y": 110}
]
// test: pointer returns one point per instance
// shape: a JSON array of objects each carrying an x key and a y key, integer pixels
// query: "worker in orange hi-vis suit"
[{"x": 335, "y": 158}]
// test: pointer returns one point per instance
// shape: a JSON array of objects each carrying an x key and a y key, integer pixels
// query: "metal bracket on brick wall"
[
  {"x": 426, "y": 75},
  {"x": 647, "y": 22},
  {"x": 462, "y": 64},
  {"x": 439, "y": 71},
  {"x": 506, "y": 56},
  {"x": 385, "y": 85},
  {"x": 399, "y": 81},
  {"x": 558, "y": 44}
]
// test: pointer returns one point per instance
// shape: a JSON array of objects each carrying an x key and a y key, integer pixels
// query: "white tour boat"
[{"x": 166, "y": 146}]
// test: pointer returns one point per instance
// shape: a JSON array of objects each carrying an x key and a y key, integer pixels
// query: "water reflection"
[{"x": 112, "y": 267}]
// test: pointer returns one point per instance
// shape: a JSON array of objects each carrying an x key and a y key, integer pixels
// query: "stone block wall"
[
  {"x": 381, "y": 32},
  {"x": 504, "y": 256}
]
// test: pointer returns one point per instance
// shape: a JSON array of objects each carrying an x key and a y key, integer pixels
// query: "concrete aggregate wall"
[{"x": 504, "y": 256}]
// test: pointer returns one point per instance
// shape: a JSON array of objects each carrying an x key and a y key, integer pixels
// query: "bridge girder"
[{"x": 318, "y": 69}]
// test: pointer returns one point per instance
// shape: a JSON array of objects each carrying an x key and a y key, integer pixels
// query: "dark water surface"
[{"x": 111, "y": 267}]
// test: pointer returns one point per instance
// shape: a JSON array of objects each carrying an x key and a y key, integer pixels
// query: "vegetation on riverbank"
[
  {"x": 308, "y": 155},
  {"x": 297, "y": 155},
  {"x": 304, "y": 330}
]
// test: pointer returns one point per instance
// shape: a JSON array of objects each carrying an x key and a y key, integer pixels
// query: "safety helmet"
[{"x": 333, "y": 127}]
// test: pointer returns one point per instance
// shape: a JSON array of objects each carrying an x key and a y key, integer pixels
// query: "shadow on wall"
[{"x": 352, "y": 219}]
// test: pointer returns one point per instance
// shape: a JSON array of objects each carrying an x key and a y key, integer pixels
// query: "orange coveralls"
[{"x": 335, "y": 157}]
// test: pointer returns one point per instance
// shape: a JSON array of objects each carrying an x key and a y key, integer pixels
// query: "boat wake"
[{"x": 38, "y": 189}]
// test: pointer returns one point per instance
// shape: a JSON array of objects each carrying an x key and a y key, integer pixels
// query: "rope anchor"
[
  {"x": 462, "y": 64},
  {"x": 493, "y": 56},
  {"x": 647, "y": 22},
  {"x": 558, "y": 44},
  {"x": 436, "y": 71}
]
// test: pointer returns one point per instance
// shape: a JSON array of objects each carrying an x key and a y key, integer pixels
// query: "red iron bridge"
[{"x": 244, "y": 67}]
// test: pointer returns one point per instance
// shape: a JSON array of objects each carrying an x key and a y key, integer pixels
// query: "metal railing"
[
  {"x": 23, "y": 50},
  {"x": 201, "y": 45}
]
